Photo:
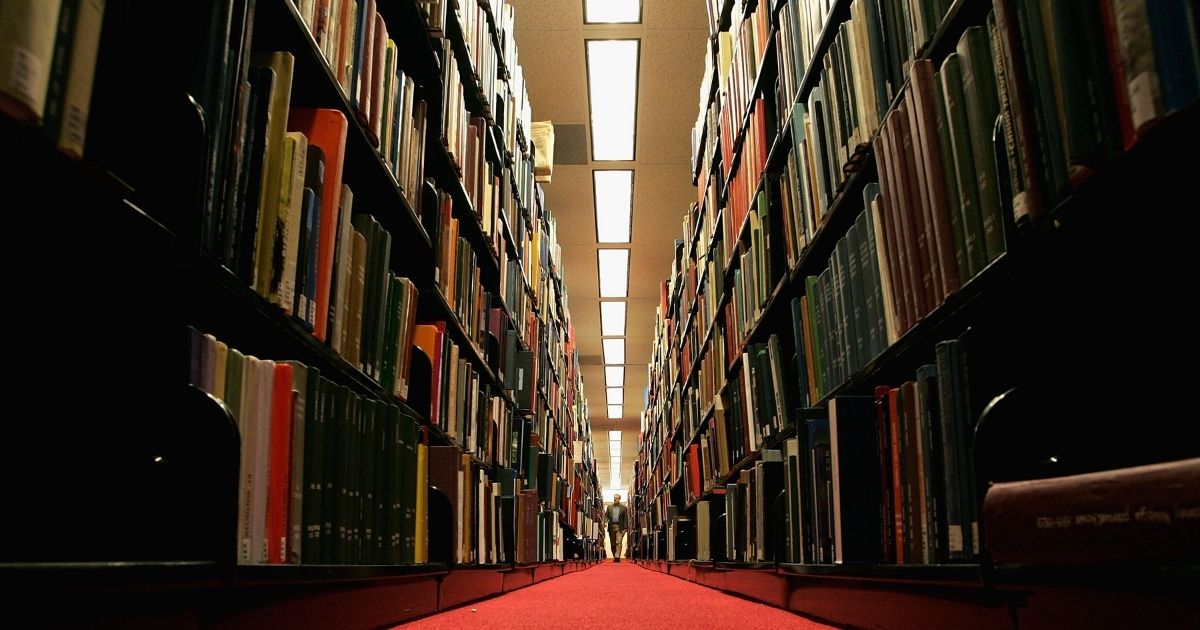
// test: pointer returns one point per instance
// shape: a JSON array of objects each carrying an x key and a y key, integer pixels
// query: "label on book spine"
[{"x": 26, "y": 73}]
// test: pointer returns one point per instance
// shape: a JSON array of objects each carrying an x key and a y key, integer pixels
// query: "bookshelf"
[
  {"x": 146, "y": 256},
  {"x": 815, "y": 168}
]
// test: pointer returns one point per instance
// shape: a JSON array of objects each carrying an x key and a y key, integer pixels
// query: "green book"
[
  {"x": 953, "y": 198},
  {"x": 1041, "y": 65},
  {"x": 964, "y": 164},
  {"x": 983, "y": 105},
  {"x": 816, "y": 320}
]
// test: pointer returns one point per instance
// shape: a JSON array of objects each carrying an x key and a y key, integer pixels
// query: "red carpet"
[{"x": 610, "y": 596}]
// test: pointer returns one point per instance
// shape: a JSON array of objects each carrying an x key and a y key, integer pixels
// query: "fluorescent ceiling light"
[
  {"x": 614, "y": 272},
  {"x": 614, "y": 436},
  {"x": 612, "y": 96},
  {"x": 612, "y": 11},
  {"x": 612, "y": 319},
  {"x": 614, "y": 412},
  {"x": 614, "y": 351},
  {"x": 614, "y": 205},
  {"x": 614, "y": 395},
  {"x": 614, "y": 375}
]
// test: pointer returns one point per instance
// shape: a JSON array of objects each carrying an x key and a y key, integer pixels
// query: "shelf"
[
  {"x": 700, "y": 427},
  {"x": 150, "y": 250},
  {"x": 495, "y": 37},
  {"x": 725, "y": 16},
  {"x": 441, "y": 311},
  {"x": 782, "y": 144},
  {"x": 269, "y": 574},
  {"x": 919, "y": 339},
  {"x": 743, "y": 127},
  {"x": 701, "y": 350},
  {"x": 846, "y": 205},
  {"x": 475, "y": 98},
  {"x": 743, "y": 566},
  {"x": 439, "y": 165},
  {"x": 989, "y": 287},
  {"x": 696, "y": 214},
  {"x": 218, "y": 302},
  {"x": 968, "y": 574},
  {"x": 407, "y": 26},
  {"x": 494, "y": 152},
  {"x": 222, "y": 305},
  {"x": 445, "y": 439},
  {"x": 1150, "y": 578},
  {"x": 838, "y": 13},
  {"x": 767, "y": 443},
  {"x": 111, "y": 576},
  {"x": 961, "y": 15}
]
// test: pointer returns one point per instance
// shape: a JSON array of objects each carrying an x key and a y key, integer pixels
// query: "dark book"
[
  {"x": 820, "y": 492},
  {"x": 857, "y": 534}
]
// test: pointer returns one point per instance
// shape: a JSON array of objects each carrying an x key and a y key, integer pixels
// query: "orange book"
[
  {"x": 325, "y": 128},
  {"x": 279, "y": 475},
  {"x": 427, "y": 338}
]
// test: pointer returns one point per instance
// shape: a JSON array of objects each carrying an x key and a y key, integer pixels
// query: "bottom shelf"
[
  {"x": 958, "y": 596},
  {"x": 196, "y": 594}
]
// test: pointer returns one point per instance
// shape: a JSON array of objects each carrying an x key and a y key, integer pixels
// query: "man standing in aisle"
[{"x": 618, "y": 522}]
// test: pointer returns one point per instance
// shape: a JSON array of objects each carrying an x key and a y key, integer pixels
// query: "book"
[
  {"x": 70, "y": 93},
  {"x": 1143, "y": 514},
  {"x": 27, "y": 35},
  {"x": 325, "y": 129}
]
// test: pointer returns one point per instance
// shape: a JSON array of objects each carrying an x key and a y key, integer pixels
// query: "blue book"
[{"x": 1175, "y": 51}]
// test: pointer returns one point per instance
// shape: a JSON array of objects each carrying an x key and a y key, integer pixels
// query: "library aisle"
[{"x": 612, "y": 594}]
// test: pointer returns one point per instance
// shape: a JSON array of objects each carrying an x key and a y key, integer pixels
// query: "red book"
[
  {"x": 1113, "y": 45},
  {"x": 280, "y": 465},
  {"x": 1139, "y": 514},
  {"x": 884, "y": 431},
  {"x": 897, "y": 478},
  {"x": 325, "y": 128},
  {"x": 695, "y": 486}
]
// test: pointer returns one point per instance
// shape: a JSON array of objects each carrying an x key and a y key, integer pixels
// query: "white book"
[
  {"x": 261, "y": 463},
  {"x": 246, "y": 426}
]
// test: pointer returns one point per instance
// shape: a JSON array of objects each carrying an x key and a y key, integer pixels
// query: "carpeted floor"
[{"x": 613, "y": 595}]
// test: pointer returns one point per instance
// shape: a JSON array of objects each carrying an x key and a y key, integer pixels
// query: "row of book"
[
  {"x": 497, "y": 78},
  {"x": 539, "y": 363},
  {"x": 290, "y": 201},
  {"x": 334, "y": 477},
  {"x": 367, "y": 64},
  {"x": 869, "y": 56},
  {"x": 745, "y": 176},
  {"x": 328, "y": 476},
  {"x": 873, "y": 479},
  {"x": 803, "y": 212},
  {"x": 468, "y": 409},
  {"x": 1079, "y": 84},
  {"x": 484, "y": 58},
  {"x": 765, "y": 226},
  {"x": 740, "y": 56},
  {"x": 292, "y": 209}
]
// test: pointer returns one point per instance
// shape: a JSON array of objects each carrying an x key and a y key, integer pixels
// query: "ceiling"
[{"x": 550, "y": 38}]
